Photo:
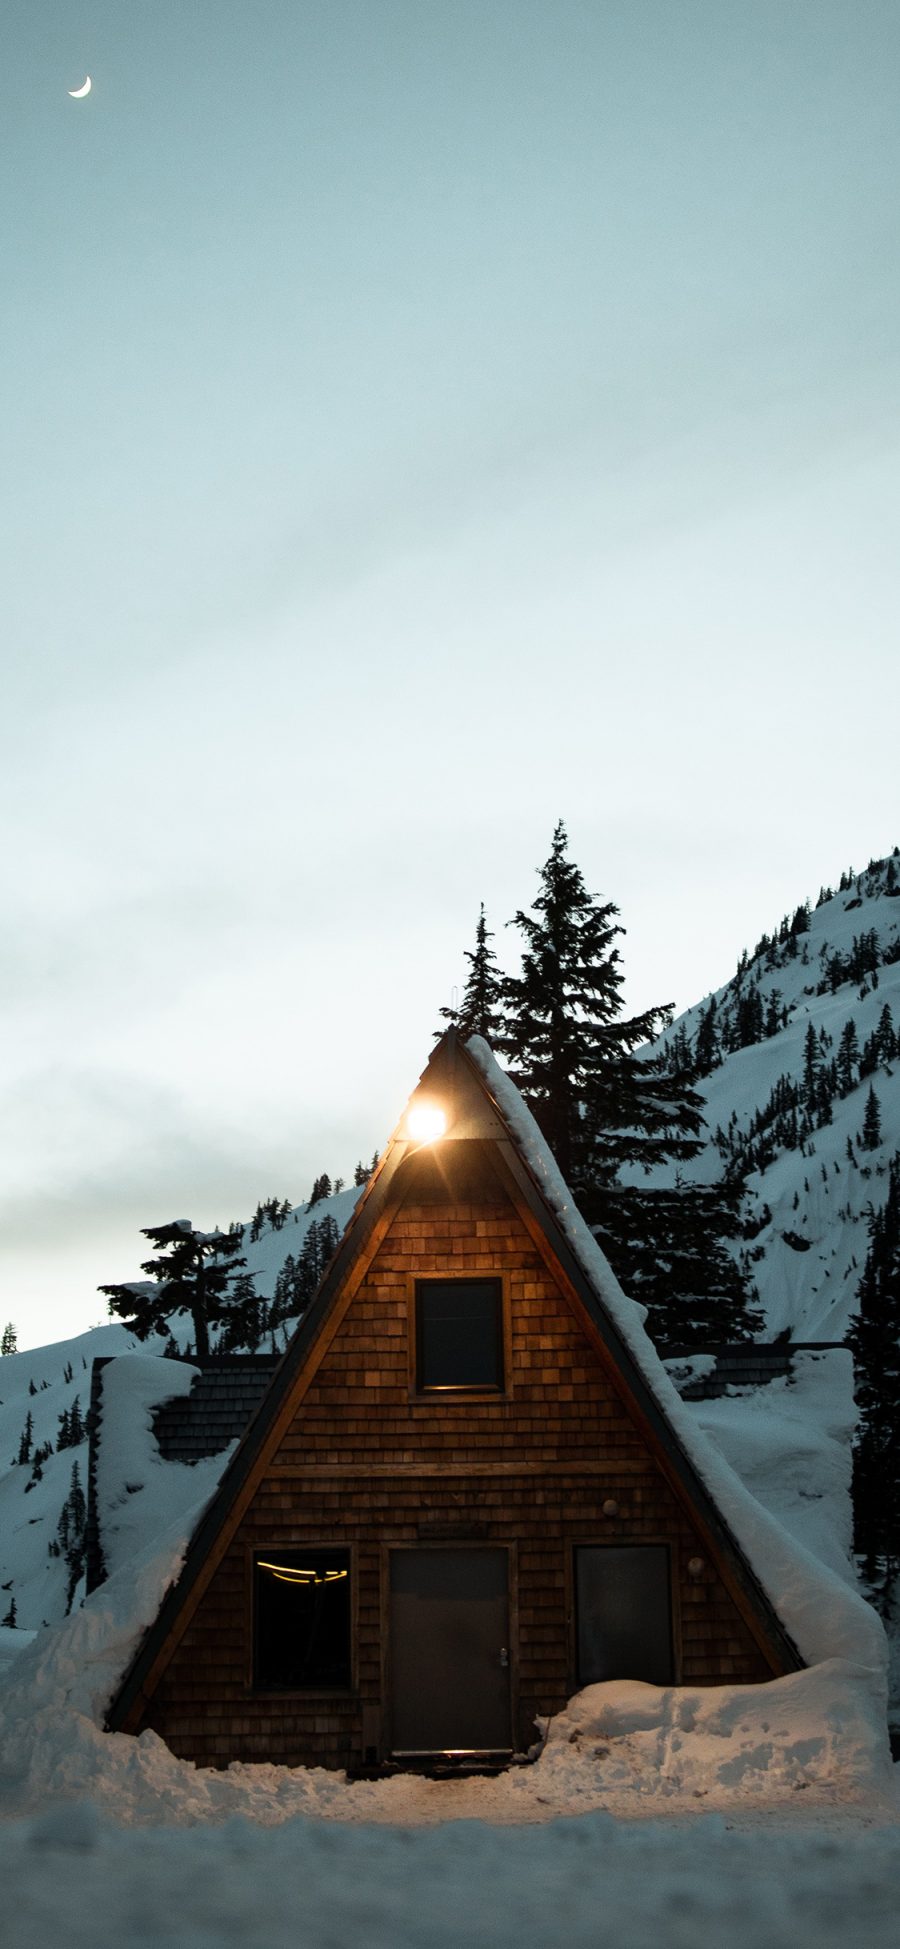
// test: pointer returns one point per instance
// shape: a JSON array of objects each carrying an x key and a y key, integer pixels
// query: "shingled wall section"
[{"x": 366, "y": 1464}]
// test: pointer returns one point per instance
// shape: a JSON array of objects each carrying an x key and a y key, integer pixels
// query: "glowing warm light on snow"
[{"x": 426, "y": 1122}]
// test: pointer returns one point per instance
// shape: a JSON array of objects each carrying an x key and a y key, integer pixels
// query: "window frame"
[
  {"x": 266, "y": 1688},
  {"x": 466, "y": 1391},
  {"x": 594, "y": 1542}
]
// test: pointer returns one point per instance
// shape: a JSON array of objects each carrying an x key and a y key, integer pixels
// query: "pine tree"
[
  {"x": 848, "y": 1057},
  {"x": 71, "y": 1533},
  {"x": 885, "y": 1036},
  {"x": 9, "y": 1341},
  {"x": 707, "y": 1049},
  {"x": 874, "y": 1339},
  {"x": 319, "y": 1244},
  {"x": 10, "y": 1619},
  {"x": 479, "y": 1012},
  {"x": 25, "y": 1440},
  {"x": 246, "y": 1320},
  {"x": 192, "y": 1273},
  {"x": 811, "y": 1069},
  {"x": 871, "y": 1130},
  {"x": 603, "y": 1108},
  {"x": 674, "y": 1259},
  {"x": 598, "y": 1105}
]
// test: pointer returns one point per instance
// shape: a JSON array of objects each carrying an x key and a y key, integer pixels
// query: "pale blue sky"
[{"x": 421, "y": 421}]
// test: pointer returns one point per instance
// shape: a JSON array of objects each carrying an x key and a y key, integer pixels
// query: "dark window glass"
[
  {"x": 459, "y": 1333},
  {"x": 624, "y": 1614},
  {"x": 302, "y": 1618}
]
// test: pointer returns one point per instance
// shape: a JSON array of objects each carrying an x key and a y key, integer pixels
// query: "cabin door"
[{"x": 449, "y": 1655}]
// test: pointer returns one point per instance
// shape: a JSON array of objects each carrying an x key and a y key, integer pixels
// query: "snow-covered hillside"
[
  {"x": 816, "y": 1007},
  {"x": 44, "y": 1403}
]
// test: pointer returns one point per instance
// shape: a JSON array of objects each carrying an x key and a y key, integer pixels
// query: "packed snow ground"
[
  {"x": 750, "y": 1815},
  {"x": 75, "y": 1878},
  {"x": 781, "y": 1823}
]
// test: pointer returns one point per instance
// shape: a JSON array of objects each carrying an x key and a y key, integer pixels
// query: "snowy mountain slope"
[
  {"x": 267, "y": 1254},
  {"x": 43, "y": 1384},
  {"x": 793, "y": 1115},
  {"x": 39, "y": 1566}
]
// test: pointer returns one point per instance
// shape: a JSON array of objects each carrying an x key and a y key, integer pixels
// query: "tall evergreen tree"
[
  {"x": 812, "y": 1065},
  {"x": 604, "y": 1108},
  {"x": 246, "y": 1320},
  {"x": 871, "y": 1130},
  {"x": 191, "y": 1273},
  {"x": 599, "y": 1105},
  {"x": 9, "y": 1341},
  {"x": 479, "y": 1012},
  {"x": 874, "y": 1338},
  {"x": 707, "y": 1048},
  {"x": 848, "y": 1057}
]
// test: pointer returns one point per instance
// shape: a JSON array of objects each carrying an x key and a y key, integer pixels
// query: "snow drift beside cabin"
[{"x": 825, "y": 1617}]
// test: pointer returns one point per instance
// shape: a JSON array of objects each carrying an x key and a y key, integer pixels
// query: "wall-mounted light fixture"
[
  {"x": 426, "y": 1121},
  {"x": 695, "y": 1568},
  {"x": 610, "y": 1507}
]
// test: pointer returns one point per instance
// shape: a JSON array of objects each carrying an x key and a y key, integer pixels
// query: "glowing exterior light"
[{"x": 426, "y": 1122}]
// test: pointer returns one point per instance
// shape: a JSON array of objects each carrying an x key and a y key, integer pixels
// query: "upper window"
[
  {"x": 302, "y": 1619},
  {"x": 459, "y": 1334}
]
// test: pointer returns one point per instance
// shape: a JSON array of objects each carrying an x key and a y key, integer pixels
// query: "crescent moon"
[{"x": 85, "y": 89}]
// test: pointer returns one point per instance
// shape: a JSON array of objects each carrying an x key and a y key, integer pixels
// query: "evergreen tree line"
[
  {"x": 860, "y": 966},
  {"x": 874, "y": 1338},
  {"x": 881, "y": 876},
  {"x": 72, "y": 1430},
  {"x": 250, "y": 1317},
  {"x": 610, "y": 1111},
  {"x": 798, "y": 1106},
  {"x": 199, "y": 1274},
  {"x": 743, "y": 1016}
]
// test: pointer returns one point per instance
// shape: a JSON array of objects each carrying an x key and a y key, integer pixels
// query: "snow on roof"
[
  {"x": 139, "y": 1496},
  {"x": 825, "y": 1617}
]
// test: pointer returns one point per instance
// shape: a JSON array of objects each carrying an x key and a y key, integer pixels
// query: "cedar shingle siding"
[{"x": 366, "y": 1464}]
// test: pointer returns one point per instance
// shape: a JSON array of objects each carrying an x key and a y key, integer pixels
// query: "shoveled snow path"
[{"x": 71, "y": 1877}]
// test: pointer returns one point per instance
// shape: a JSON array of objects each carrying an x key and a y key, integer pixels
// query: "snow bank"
[
  {"x": 825, "y": 1617},
  {"x": 12, "y": 1643},
  {"x": 813, "y": 1728},
  {"x": 623, "y": 1747},
  {"x": 53, "y": 1706}
]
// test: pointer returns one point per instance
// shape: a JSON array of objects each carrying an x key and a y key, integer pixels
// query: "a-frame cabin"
[{"x": 461, "y": 1498}]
